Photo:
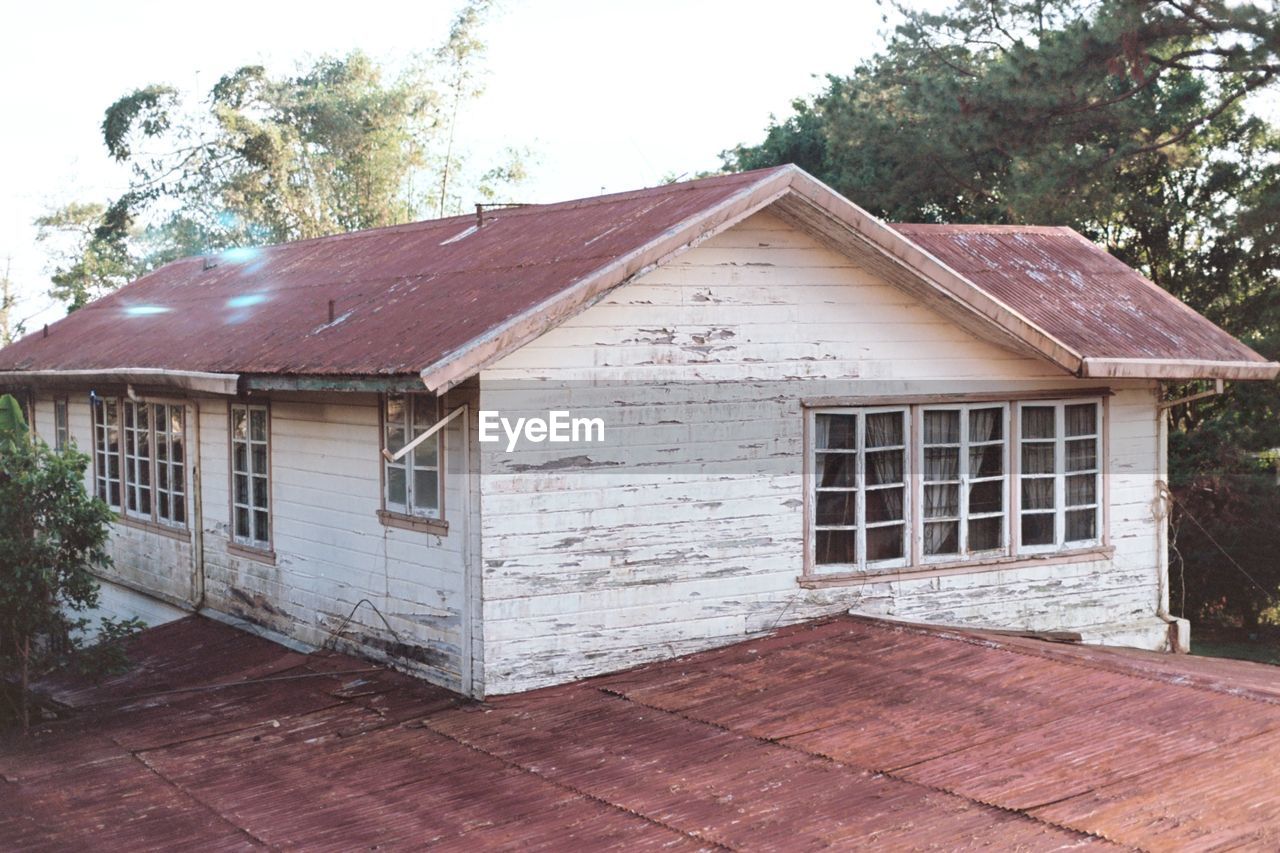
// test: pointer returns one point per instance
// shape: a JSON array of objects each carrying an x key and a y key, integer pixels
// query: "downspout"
[
  {"x": 197, "y": 525},
  {"x": 1179, "y": 628}
]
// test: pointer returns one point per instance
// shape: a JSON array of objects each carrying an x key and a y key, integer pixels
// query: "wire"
[
  {"x": 1215, "y": 543},
  {"x": 333, "y": 635}
]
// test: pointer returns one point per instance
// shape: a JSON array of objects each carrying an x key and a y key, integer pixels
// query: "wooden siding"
[{"x": 587, "y": 569}]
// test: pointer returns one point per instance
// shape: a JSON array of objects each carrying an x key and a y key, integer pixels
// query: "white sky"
[{"x": 608, "y": 95}]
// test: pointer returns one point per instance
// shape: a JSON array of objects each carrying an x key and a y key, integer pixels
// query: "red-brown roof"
[
  {"x": 842, "y": 733},
  {"x": 442, "y": 298}
]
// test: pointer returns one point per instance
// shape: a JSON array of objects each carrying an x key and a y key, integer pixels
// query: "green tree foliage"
[
  {"x": 341, "y": 146},
  {"x": 1128, "y": 120},
  {"x": 52, "y": 537}
]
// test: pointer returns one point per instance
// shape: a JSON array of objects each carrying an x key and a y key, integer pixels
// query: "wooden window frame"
[
  {"x": 102, "y": 478},
  {"x": 61, "y": 431},
  {"x": 248, "y": 546},
  {"x": 134, "y": 518},
  {"x": 1011, "y": 554},
  {"x": 408, "y": 519},
  {"x": 1101, "y": 517}
]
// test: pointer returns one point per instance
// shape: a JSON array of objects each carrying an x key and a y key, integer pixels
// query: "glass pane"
[
  {"x": 179, "y": 510},
  {"x": 1037, "y": 529},
  {"x": 1082, "y": 454},
  {"x": 260, "y": 526},
  {"x": 1082, "y": 489},
  {"x": 1082, "y": 419},
  {"x": 941, "y": 501},
  {"x": 985, "y": 533},
  {"x": 884, "y": 429},
  {"x": 884, "y": 467},
  {"x": 395, "y": 437},
  {"x": 837, "y": 508},
  {"x": 941, "y": 426},
  {"x": 239, "y": 457},
  {"x": 177, "y": 477},
  {"x": 986, "y": 461},
  {"x": 175, "y": 420},
  {"x": 1081, "y": 525},
  {"x": 835, "y": 546},
  {"x": 395, "y": 485},
  {"x": 113, "y": 467},
  {"x": 144, "y": 417},
  {"x": 144, "y": 502},
  {"x": 1037, "y": 458},
  {"x": 942, "y": 537},
  {"x": 259, "y": 458},
  {"x": 395, "y": 411},
  {"x": 242, "y": 522},
  {"x": 941, "y": 463},
  {"x": 986, "y": 497},
  {"x": 241, "y": 489},
  {"x": 238, "y": 426},
  {"x": 986, "y": 425},
  {"x": 260, "y": 492},
  {"x": 1037, "y": 493},
  {"x": 884, "y": 504},
  {"x": 424, "y": 413},
  {"x": 836, "y": 431},
  {"x": 162, "y": 477},
  {"x": 144, "y": 457},
  {"x": 426, "y": 455},
  {"x": 884, "y": 543},
  {"x": 163, "y": 500},
  {"x": 257, "y": 425},
  {"x": 425, "y": 491},
  {"x": 836, "y": 469},
  {"x": 1037, "y": 422},
  {"x": 115, "y": 493},
  {"x": 162, "y": 447}
]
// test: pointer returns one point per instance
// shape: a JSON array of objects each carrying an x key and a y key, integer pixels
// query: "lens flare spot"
[
  {"x": 240, "y": 255},
  {"x": 145, "y": 310},
  {"x": 246, "y": 300}
]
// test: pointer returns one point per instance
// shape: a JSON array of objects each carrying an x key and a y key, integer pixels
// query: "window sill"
[
  {"x": 179, "y": 533},
  {"x": 959, "y": 567},
  {"x": 437, "y": 526},
  {"x": 260, "y": 555}
]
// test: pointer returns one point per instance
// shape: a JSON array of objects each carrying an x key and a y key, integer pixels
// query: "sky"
[{"x": 606, "y": 95}]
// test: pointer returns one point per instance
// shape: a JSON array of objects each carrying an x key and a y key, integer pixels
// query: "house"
[{"x": 646, "y": 424}]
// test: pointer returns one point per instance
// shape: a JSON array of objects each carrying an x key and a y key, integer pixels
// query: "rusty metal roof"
[
  {"x": 437, "y": 298},
  {"x": 841, "y": 733},
  {"x": 1088, "y": 298}
]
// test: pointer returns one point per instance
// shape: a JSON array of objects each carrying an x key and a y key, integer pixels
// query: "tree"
[
  {"x": 340, "y": 146},
  {"x": 52, "y": 537},
  {"x": 1128, "y": 120}
]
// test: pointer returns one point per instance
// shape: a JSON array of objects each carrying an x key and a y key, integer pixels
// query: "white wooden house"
[{"x": 803, "y": 411}]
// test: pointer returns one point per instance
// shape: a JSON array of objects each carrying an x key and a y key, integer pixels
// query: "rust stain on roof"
[{"x": 846, "y": 733}]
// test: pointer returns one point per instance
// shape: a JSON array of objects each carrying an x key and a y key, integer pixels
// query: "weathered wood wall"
[{"x": 661, "y": 543}]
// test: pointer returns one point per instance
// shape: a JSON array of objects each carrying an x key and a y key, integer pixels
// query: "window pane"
[
  {"x": 241, "y": 489},
  {"x": 884, "y": 504},
  {"x": 259, "y": 458},
  {"x": 239, "y": 430},
  {"x": 1037, "y": 529},
  {"x": 242, "y": 522},
  {"x": 884, "y": 429},
  {"x": 162, "y": 476},
  {"x": 985, "y": 533},
  {"x": 941, "y": 426},
  {"x": 240, "y": 457},
  {"x": 837, "y": 508},
  {"x": 163, "y": 501},
  {"x": 1037, "y": 458},
  {"x": 1037, "y": 422},
  {"x": 177, "y": 449},
  {"x": 1082, "y": 419},
  {"x": 425, "y": 491},
  {"x": 258, "y": 425},
  {"x": 177, "y": 477},
  {"x": 426, "y": 455},
  {"x": 260, "y": 526},
  {"x": 1081, "y": 525},
  {"x": 986, "y": 425},
  {"x": 395, "y": 485},
  {"x": 941, "y": 463},
  {"x": 260, "y": 492},
  {"x": 884, "y": 467},
  {"x": 1082, "y": 454},
  {"x": 986, "y": 497},
  {"x": 941, "y": 537},
  {"x": 1082, "y": 489},
  {"x": 986, "y": 461},
  {"x": 179, "y": 510},
  {"x": 941, "y": 501},
  {"x": 835, "y": 546},
  {"x": 836, "y": 431},
  {"x": 395, "y": 437},
  {"x": 1037, "y": 493},
  {"x": 395, "y": 413},
  {"x": 884, "y": 543},
  {"x": 836, "y": 469}
]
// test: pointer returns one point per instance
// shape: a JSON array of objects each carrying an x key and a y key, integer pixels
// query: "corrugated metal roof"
[
  {"x": 412, "y": 298},
  {"x": 843, "y": 733},
  {"x": 1076, "y": 290}
]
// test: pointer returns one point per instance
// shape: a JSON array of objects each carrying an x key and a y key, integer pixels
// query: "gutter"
[
  {"x": 1182, "y": 368},
  {"x": 190, "y": 380}
]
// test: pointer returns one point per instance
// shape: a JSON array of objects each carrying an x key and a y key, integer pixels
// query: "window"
[
  {"x": 919, "y": 485},
  {"x": 412, "y": 483},
  {"x": 61, "y": 432},
  {"x": 106, "y": 451},
  {"x": 250, "y": 475},
  {"x": 150, "y": 485},
  {"x": 1060, "y": 477},
  {"x": 964, "y": 479},
  {"x": 860, "y": 488}
]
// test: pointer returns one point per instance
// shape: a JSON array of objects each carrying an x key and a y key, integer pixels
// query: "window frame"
[
  {"x": 102, "y": 478},
  {"x": 1060, "y": 508},
  {"x": 61, "y": 431},
  {"x": 395, "y": 515},
  {"x": 1011, "y": 550},
  {"x": 258, "y": 546},
  {"x": 134, "y": 516}
]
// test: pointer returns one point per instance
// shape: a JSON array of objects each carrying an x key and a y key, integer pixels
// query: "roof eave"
[
  {"x": 1153, "y": 368},
  {"x": 188, "y": 380}
]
